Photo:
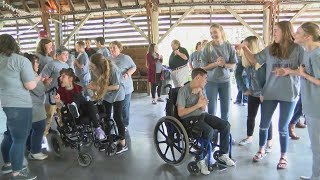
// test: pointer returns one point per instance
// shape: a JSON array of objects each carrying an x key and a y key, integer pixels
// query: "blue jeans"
[
  {"x": 313, "y": 129},
  {"x": 241, "y": 98},
  {"x": 224, "y": 90},
  {"x": 126, "y": 110},
  {"x": 297, "y": 113},
  {"x": 34, "y": 140},
  {"x": 19, "y": 122},
  {"x": 267, "y": 109}
]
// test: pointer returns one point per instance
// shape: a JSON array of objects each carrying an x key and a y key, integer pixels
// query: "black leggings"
[
  {"x": 154, "y": 86},
  {"x": 87, "y": 108},
  {"x": 117, "y": 115},
  {"x": 253, "y": 106}
]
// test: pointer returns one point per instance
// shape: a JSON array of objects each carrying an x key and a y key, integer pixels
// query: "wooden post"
[
  {"x": 266, "y": 24},
  {"x": 58, "y": 31},
  {"x": 45, "y": 19},
  {"x": 301, "y": 11},
  {"x": 155, "y": 23}
]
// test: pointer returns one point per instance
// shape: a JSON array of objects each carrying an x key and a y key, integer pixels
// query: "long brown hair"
[
  {"x": 101, "y": 73},
  {"x": 41, "y": 49},
  {"x": 311, "y": 29},
  {"x": 8, "y": 45},
  {"x": 281, "y": 50}
]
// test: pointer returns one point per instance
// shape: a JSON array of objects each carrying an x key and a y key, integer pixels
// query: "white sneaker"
[
  {"x": 226, "y": 159},
  {"x": 305, "y": 177},
  {"x": 203, "y": 167},
  {"x": 245, "y": 141},
  {"x": 38, "y": 156}
]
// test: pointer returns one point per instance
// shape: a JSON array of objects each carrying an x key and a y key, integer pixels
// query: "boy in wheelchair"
[
  {"x": 192, "y": 102},
  {"x": 70, "y": 94}
]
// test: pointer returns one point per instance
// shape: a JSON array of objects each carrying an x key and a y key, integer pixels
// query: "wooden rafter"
[
  {"x": 300, "y": 12},
  {"x": 103, "y": 4},
  {"x": 76, "y": 29},
  {"x": 137, "y": 3},
  {"x": 45, "y": 18},
  {"x": 176, "y": 24},
  {"x": 71, "y": 5},
  {"x": 120, "y": 3},
  {"x": 245, "y": 24},
  {"x": 87, "y": 4},
  {"x": 133, "y": 24},
  {"x": 25, "y": 6},
  {"x": 33, "y": 24}
]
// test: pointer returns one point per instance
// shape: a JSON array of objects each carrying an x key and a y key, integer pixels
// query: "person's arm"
[
  {"x": 231, "y": 64},
  {"x": 202, "y": 103},
  {"x": 247, "y": 53},
  {"x": 77, "y": 64},
  {"x": 308, "y": 77},
  {"x": 27, "y": 75},
  {"x": 131, "y": 70},
  {"x": 181, "y": 54},
  {"x": 113, "y": 87}
]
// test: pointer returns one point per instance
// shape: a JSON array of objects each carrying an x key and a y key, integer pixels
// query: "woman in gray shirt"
[
  {"x": 127, "y": 68},
  {"x": 38, "y": 114},
  {"x": 17, "y": 78},
  {"x": 218, "y": 58},
  {"x": 280, "y": 87},
  {"x": 308, "y": 35},
  {"x": 44, "y": 50}
]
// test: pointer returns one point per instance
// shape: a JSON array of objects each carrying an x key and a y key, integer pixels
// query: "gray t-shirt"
[
  {"x": 310, "y": 93},
  {"x": 83, "y": 73},
  {"x": 38, "y": 99},
  {"x": 195, "y": 59},
  {"x": 15, "y": 70},
  {"x": 115, "y": 79},
  {"x": 52, "y": 70},
  {"x": 104, "y": 51},
  {"x": 281, "y": 88},
  {"x": 124, "y": 63},
  {"x": 211, "y": 53},
  {"x": 187, "y": 99},
  {"x": 43, "y": 60}
]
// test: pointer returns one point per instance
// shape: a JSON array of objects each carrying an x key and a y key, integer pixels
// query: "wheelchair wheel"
[
  {"x": 84, "y": 160},
  {"x": 111, "y": 149},
  {"x": 57, "y": 145},
  {"x": 193, "y": 168},
  {"x": 171, "y": 140},
  {"x": 216, "y": 155}
]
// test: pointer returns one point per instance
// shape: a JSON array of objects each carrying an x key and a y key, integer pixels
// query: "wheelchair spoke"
[
  {"x": 165, "y": 153},
  {"x": 160, "y": 142},
  {"x": 163, "y": 133},
  {"x": 177, "y": 148},
  {"x": 172, "y": 151}
]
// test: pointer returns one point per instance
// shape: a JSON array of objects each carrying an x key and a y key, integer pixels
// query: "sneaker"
[
  {"x": 100, "y": 133},
  {"x": 245, "y": 141},
  {"x": 203, "y": 167},
  {"x": 268, "y": 149},
  {"x": 102, "y": 148},
  {"x": 227, "y": 160},
  {"x": 23, "y": 175},
  {"x": 121, "y": 148},
  {"x": 154, "y": 102},
  {"x": 38, "y": 156},
  {"x": 6, "y": 169},
  {"x": 305, "y": 177},
  {"x": 73, "y": 109},
  {"x": 160, "y": 100},
  {"x": 236, "y": 102}
]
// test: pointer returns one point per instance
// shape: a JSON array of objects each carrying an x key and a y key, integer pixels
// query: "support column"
[
  {"x": 266, "y": 24},
  {"x": 58, "y": 31},
  {"x": 155, "y": 24}
]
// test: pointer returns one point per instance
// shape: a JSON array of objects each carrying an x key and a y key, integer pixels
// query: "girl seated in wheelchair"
[
  {"x": 70, "y": 94},
  {"x": 192, "y": 102}
]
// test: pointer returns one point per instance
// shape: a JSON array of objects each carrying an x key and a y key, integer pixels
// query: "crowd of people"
[{"x": 279, "y": 74}]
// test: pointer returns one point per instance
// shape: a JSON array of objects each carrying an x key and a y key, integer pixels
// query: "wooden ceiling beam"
[
  {"x": 26, "y": 6},
  {"x": 71, "y": 5},
  {"x": 103, "y": 4},
  {"x": 87, "y": 4},
  {"x": 120, "y": 3},
  {"x": 137, "y": 3},
  {"x": 300, "y": 12}
]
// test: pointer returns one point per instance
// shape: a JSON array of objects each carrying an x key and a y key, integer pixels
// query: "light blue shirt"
[
  {"x": 15, "y": 71},
  {"x": 281, "y": 88},
  {"x": 310, "y": 93},
  {"x": 124, "y": 63},
  {"x": 104, "y": 51},
  {"x": 211, "y": 53},
  {"x": 115, "y": 79}
]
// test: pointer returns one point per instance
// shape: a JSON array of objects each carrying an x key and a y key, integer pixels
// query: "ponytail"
[{"x": 103, "y": 81}]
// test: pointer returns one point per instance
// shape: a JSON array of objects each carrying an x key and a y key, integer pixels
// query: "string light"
[{"x": 17, "y": 12}]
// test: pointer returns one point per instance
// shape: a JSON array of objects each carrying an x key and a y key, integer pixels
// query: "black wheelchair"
[
  {"x": 78, "y": 133},
  {"x": 174, "y": 141}
]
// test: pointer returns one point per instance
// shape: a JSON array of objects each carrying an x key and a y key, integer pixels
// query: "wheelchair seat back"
[{"x": 171, "y": 107}]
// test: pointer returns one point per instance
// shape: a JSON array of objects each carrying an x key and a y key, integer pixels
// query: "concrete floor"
[{"x": 142, "y": 162}]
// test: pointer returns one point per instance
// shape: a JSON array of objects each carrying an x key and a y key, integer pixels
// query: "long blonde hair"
[
  {"x": 101, "y": 73},
  {"x": 223, "y": 34},
  {"x": 253, "y": 45}
]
